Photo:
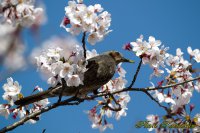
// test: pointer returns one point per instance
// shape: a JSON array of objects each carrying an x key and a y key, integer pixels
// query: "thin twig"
[
  {"x": 44, "y": 130},
  {"x": 136, "y": 74},
  {"x": 152, "y": 98},
  {"x": 84, "y": 44},
  {"x": 171, "y": 85},
  {"x": 64, "y": 86},
  {"x": 114, "y": 109}
]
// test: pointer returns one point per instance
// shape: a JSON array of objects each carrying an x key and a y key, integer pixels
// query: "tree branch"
[
  {"x": 63, "y": 88},
  {"x": 143, "y": 89},
  {"x": 152, "y": 98},
  {"x": 83, "y": 42},
  {"x": 172, "y": 85},
  {"x": 114, "y": 109},
  {"x": 43, "y": 110},
  {"x": 76, "y": 101},
  {"x": 136, "y": 73},
  {"x": 44, "y": 130}
]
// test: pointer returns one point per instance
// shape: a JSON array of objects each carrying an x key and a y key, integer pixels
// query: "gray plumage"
[{"x": 101, "y": 69}]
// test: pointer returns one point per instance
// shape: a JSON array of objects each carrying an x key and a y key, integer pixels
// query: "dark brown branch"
[
  {"x": 111, "y": 95},
  {"x": 152, "y": 98},
  {"x": 145, "y": 89},
  {"x": 114, "y": 109},
  {"x": 33, "y": 115},
  {"x": 171, "y": 85},
  {"x": 44, "y": 130},
  {"x": 77, "y": 101},
  {"x": 136, "y": 74},
  {"x": 62, "y": 90},
  {"x": 84, "y": 44}
]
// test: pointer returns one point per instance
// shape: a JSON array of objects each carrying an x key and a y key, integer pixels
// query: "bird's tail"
[{"x": 34, "y": 98}]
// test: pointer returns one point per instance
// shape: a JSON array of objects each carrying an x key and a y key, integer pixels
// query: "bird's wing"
[{"x": 91, "y": 73}]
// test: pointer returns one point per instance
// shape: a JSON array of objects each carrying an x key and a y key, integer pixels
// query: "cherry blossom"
[
  {"x": 91, "y": 53},
  {"x": 97, "y": 120},
  {"x": 160, "y": 96},
  {"x": 42, "y": 103},
  {"x": 197, "y": 116},
  {"x": 121, "y": 71},
  {"x": 150, "y": 53},
  {"x": 4, "y": 110},
  {"x": 197, "y": 86},
  {"x": 194, "y": 53},
  {"x": 197, "y": 57},
  {"x": 90, "y": 19},
  {"x": 153, "y": 120},
  {"x": 58, "y": 60},
  {"x": 62, "y": 58},
  {"x": 74, "y": 80},
  {"x": 20, "y": 12},
  {"x": 121, "y": 101},
  {"x": 12, "y": 93},
  {"x": 12, "y": 90}
]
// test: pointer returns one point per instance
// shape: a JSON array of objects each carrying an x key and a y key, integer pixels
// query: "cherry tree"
[{"x": 63, "y": 60}]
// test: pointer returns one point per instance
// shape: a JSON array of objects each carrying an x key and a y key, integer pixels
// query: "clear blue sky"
[{"x": 175, "y": 22}]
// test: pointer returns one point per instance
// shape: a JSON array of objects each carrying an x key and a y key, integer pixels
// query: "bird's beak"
[{"x": 127, "y": 60}]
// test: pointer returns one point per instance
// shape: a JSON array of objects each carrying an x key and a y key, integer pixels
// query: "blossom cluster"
[
  {"x": 153, "y": 53},
  {"x": 150, "y": 53},
  {"x": 12, "y": 93},
  {"x": 179, "y": 73},
  {"x": 110, "y": 106},
  {"x": 20, "y": 12},
  {"x": 62, "y": 58},
  {"x": 90, "y": 19},
  {"x": 178, "y": 70},
  {"x": 65, "y": 62}
]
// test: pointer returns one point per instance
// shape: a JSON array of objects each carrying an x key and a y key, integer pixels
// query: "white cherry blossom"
[
  {"x": 121, "y": 113},
  {"x": 197, "y": 57},
  {"x": 89, "y": 19},
  {"x": 18, "y": 12},
  {"x": 152, "y": 119},
  {"x": 192, "y": 52},
  {"x": 74, "y": 80},
  {"x": 197, "y": 86},
  {"x": 61, "y": 58},
  {"x": 4, "y": 110},
  {"x": 66, "y": 70},
  {"x": 120, "y": 70},
  {"x": 12, "y": 89},
  {"x": 92, "y": 53}
]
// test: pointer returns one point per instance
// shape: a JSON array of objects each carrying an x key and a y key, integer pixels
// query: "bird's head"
[{"x": 118, "y": 57}]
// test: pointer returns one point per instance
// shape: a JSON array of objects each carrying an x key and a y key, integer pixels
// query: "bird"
[{"x": 100, "y": 70}]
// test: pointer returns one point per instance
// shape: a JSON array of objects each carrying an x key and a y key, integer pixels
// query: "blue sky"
[{"x": 175, "y": 22}]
